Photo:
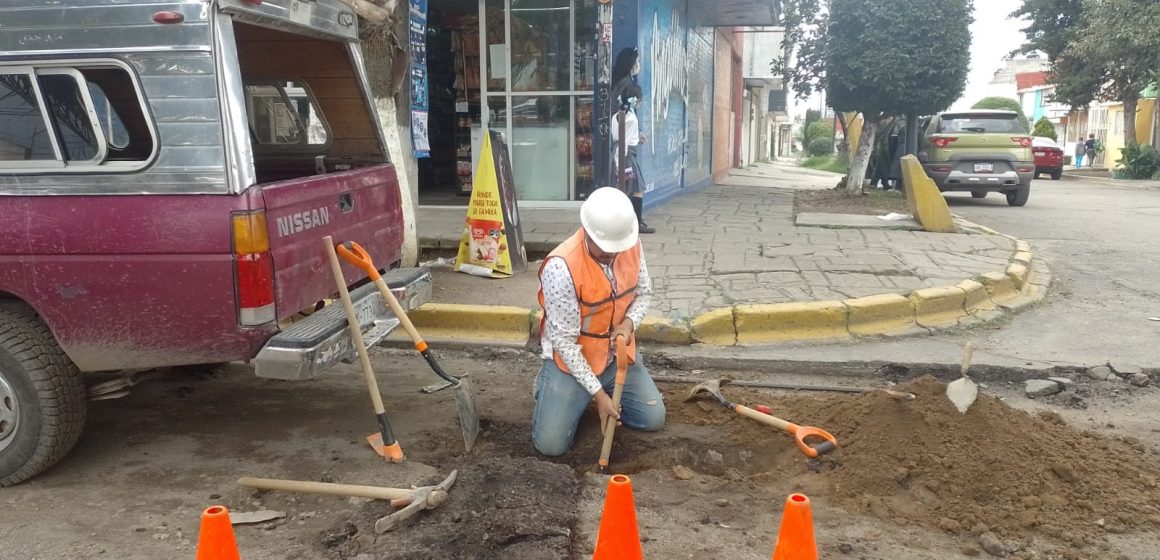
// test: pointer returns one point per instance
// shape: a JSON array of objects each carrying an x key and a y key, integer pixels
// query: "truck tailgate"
[{"x": 362, "y": 205}]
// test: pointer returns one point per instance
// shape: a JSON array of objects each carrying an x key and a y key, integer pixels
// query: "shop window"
[
  {"x": 283, "y": 113},
  {"x": 71, "y": 119}
]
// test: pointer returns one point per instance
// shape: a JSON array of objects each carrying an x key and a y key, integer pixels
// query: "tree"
[
  {"x": 1044, "y": 129},
  {"x": 893, "y": 57},
  {"x": 1003, "y": 104}
]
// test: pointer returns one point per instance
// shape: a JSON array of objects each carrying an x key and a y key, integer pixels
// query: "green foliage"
[
  {"x": 820, "y": 147},
  {"x": 804, "y": 46},
  {"x": 896, "y": 56},
  {"x": 1138, "y": 161},
  {"x": 1003, "y": 104},
  {"x": 1044, "y": 129},
  {"x": 833, "y": 164},
  {"x": 814, "y": 129}
]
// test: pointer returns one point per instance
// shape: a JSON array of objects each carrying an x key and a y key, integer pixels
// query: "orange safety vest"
[{"x": 601, "y": 308}]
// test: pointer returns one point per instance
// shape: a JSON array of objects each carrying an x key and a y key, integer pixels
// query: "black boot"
[{"x": 638, "y": 207}]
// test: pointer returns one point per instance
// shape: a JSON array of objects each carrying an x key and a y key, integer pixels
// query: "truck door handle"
[{"x": 345, "y": 203}]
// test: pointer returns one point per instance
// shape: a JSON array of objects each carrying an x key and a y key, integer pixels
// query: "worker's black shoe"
[{"x": 645, "y": 229}]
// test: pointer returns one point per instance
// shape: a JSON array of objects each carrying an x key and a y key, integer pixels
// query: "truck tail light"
[
  {"x": 943, "y": 141},
  {"x": 1024, "y": 141},
  {"x": 253, "y": 269}
]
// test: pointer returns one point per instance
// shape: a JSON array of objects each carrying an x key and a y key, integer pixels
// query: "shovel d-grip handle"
[
  {"x": 353, "y": 253},
  {"x": 811, "y": 449}
]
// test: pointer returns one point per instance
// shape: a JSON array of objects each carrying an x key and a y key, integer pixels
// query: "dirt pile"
[
  {"x": 499, "y": 508},
  {"x": 995, "y": 469}
]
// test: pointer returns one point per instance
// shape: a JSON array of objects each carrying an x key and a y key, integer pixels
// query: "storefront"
[{"x": 530, "y": 71}]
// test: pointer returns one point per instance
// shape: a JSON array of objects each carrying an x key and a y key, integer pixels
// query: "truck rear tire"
[
  {"x": 42, "y": 396},
  {"x": 1019, "y": 196}
]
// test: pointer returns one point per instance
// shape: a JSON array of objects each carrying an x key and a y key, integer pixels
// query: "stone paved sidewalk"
[{"x": 736, "y": 243}]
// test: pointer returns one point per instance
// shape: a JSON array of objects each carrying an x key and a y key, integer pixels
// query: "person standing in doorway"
[
  {"x": 624, "y": 73},
  {"x": 1080, "y": 149},
  {"x": 1090, "y": 147}
]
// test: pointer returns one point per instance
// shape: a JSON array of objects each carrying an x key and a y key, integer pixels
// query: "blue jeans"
[
  {"x": 1078, "y": 161},
  {"x": 561, "y": 400}
]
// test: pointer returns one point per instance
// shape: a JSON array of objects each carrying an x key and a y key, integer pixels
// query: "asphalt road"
[{"x": 1102, "y": 243}]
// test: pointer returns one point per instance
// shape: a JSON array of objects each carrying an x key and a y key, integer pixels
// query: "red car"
[{"x": 1048, "y": 157}]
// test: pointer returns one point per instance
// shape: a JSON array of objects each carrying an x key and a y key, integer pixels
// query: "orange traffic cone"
[
  {"x": 618, "y": 538},
  {"x": 216, "y": 541},
  {"x": 795, "y": 539}
]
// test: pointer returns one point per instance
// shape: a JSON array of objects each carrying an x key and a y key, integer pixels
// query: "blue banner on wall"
[
  {"x": 664, "y": 67},
  {"x": 420, "y": 138}
]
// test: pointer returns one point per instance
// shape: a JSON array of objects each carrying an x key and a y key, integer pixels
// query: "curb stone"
[{"x": 1023, "y": 282}]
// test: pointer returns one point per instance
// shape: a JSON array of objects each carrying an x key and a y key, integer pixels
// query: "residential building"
[
  {"x": 1003, "y": 84},
  {"x": 765, "y": 96}
]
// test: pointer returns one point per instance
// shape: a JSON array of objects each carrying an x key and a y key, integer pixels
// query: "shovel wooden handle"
[
  {"x": 617, "y": 391},
  {"x": 800, "y": 433}
]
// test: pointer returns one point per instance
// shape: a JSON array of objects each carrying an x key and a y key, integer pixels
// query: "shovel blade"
[
  {"x": 962, "y": 392},
  {"x": 468, "y": 413}
]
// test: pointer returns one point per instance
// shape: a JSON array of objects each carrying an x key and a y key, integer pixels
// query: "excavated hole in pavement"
[{"x": 997, "y": 476}]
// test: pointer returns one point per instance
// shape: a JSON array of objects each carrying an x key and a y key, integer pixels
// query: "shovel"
[
  {"x": 962, "y": 391},
  {"x": 464, "y": 392}
]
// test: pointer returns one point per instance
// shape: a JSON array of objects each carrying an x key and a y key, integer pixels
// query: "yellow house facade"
[{"x": 1145, "y": 113}]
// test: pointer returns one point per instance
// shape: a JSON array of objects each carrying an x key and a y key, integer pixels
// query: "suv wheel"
[
  {"x": 1019, "y": 196},
  {"x": 1056, "y": 175},
  {"x": 42, "y": 397}
]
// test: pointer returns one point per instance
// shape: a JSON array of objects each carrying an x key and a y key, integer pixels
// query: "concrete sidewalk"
[{"x": 721, "y": 254}]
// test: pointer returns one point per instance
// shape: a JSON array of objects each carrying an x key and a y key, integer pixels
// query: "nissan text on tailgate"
[
  {"x": 979, "y": 152},
  {"x": 167, "y": 173}
]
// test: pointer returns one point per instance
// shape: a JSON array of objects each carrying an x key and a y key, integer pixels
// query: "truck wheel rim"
[{"x": 9, "y": 414}]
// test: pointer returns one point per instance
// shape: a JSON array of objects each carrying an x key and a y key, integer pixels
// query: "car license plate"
[
  {"x": 1040, "y": 154},
  {"x": 984, "y": 168}
]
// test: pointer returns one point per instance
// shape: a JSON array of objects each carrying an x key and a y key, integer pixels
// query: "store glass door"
[{"x": 539, "y": 79}]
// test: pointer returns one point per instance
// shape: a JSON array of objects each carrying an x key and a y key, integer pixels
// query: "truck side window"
[
  {"x": 283, "y": 113},
  {"x": 24, "y": 132},
  {"x": 65, "y": 118}
]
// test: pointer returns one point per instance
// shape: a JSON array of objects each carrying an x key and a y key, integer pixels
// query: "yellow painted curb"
[
  {"x": 1000, "y": 286},
  {"x": 778, "y": 322},
  {"x": 976, "y": 299},
  {"x": 1022, "y": 257},
  {"x": 880, "y": 314},
  {"x": 939, "y": 307},
  {"x": 1022, "y": 246},
  {"x": 714, "y": 327},
  {"x": 664, "y": 331},
  {"x": 1019, "y": 273},
  {"x": 473, "y": 322}
]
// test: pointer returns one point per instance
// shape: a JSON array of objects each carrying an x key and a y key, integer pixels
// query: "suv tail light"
[
  {"x": 1024, "y": 141},
  {"x": 943, "y": 141},
  {"x": 253, "y": 269}
]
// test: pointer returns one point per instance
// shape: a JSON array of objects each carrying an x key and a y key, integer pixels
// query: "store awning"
[{"x": 734, "y": 13}]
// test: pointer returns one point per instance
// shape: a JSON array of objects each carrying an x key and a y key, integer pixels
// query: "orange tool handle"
[
  {"x": 353, "y": 253},
  {"x": 800, "y": 433}
]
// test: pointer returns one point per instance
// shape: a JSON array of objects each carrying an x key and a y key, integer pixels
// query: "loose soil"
[
  {"x": 872, "y": 202},
  {"x": 911, "y": 481}
]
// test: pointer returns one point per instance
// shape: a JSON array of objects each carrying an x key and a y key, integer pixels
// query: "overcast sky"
[{"x": 993, "y": 36}]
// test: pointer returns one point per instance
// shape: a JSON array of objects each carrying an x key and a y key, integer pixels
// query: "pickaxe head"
[{"x": 712, "y": 388}]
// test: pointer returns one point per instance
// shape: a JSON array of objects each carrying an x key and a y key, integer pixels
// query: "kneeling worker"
[{"x": 593, "y": 287}]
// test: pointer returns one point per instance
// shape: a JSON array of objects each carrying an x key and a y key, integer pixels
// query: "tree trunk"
[
  {"x": 1130, "y": 103},
  {"x": 856, "y": 177},
  {"x": 912, "y": 134},
  {"x": 846, "y": 132}
]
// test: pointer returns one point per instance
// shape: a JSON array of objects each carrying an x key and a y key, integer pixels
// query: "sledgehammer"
[{"x": 800, "y": 433}]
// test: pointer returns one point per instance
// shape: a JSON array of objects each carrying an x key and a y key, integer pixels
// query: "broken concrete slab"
[
  {"x": 855, "y": 221},
  {"x": 1041, "y": 387}
]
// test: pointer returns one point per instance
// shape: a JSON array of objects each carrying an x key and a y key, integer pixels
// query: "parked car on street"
[
  {"x": 168, "y": 170},
  {"x": 979, "y": 152},
  {"x": 1048, "y": 157}
]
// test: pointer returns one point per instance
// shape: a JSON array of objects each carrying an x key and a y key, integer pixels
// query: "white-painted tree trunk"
[
  {"x": 856, "y": 176},
  {"x": 397, "y": 133}
]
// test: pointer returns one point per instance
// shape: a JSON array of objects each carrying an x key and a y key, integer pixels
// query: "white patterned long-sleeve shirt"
[{"x": 562, "y": 320}]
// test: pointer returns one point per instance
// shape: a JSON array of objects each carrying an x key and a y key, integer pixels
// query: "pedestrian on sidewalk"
[
  {"x": 593, "y": 287},
  {"x": 625, "y": 86},
  {"x": 633, "y": 137},
  {"x": 1090, "y": 148},
  {"x": 1080, "y": 149}
]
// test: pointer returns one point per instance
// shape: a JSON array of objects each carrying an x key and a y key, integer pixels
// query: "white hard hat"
[{"x": 609, "y": 220}]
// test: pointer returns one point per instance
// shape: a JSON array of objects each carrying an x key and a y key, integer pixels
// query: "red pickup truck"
[{"x": 167, "y": 172}]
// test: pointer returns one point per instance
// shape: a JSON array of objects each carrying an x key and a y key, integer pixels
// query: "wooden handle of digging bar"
[
  {"x": 617, "y": 391},
  {"x": 400, "y": 314},
  {"x": 345, "y": 490},
  {"x": 356, "y": 338}
]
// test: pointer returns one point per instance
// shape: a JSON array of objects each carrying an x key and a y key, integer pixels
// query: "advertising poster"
[
  {"x": 419, "y": 93},
  {"x": 492, "y": 241}
]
